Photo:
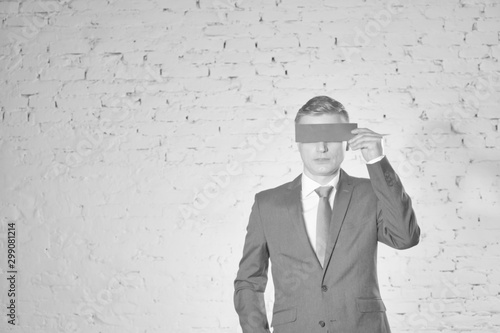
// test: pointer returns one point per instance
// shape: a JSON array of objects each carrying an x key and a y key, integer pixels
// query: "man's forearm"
[
  {"x": 397, "y": 223},
  {"x": 251, "y": 280},
  {"x": 249, "y": 305}
]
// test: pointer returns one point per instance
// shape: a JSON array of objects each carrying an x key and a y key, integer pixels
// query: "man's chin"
[{"x": 325, "y": 171}]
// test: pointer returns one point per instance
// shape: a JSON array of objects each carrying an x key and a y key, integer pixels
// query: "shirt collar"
[{"x": 309, "y": 185}]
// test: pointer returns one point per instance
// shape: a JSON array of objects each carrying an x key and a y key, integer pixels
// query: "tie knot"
[{"x": 324, "y": 191}]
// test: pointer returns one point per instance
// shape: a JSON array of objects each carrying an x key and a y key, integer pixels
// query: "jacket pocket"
[
  {"x": 370, "y": 305},
  {"x": 284, "y": 316}
]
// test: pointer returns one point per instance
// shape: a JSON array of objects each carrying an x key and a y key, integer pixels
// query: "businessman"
[{"x": 320, "y": 233}]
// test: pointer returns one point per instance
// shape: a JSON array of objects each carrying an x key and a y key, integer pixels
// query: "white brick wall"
[{"x": 134, "y": 134}]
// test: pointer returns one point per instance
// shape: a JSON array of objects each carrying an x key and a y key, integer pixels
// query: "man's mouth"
[{"x": 322, "y": 160}]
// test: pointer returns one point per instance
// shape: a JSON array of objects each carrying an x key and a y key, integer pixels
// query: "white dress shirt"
[{"x": 310, "y": 201}]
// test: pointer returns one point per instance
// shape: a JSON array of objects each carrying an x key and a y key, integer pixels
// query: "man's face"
[{"x": 321, "y": 159}]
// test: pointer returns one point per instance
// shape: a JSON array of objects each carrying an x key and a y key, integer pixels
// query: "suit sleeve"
[
  {"x": 251, "y": 279},
  {"x": 396, "y": 222}
]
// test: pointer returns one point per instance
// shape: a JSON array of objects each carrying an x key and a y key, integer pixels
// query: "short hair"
[{"x": 319, "y": 105}]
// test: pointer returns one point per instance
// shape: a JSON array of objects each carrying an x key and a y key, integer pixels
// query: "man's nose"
[{"x": 322, "y": 147}]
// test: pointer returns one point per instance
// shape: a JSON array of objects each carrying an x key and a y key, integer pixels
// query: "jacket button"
[
  {"x": 324, "y": 288},
  {"x": 322, "y": 323}
]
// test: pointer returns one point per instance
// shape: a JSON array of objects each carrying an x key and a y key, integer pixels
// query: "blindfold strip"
[{"x": 307, "y": 133}]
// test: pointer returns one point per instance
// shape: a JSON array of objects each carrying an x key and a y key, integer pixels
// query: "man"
[{"x": 324, "y": 259}]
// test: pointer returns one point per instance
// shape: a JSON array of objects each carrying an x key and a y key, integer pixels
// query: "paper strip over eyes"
[{"x": 307, "y": 133}]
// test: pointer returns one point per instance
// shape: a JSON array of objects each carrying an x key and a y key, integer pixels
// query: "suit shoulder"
[
  {"x": 361, "y": 183},
  {"x": 274, "y": 192}
]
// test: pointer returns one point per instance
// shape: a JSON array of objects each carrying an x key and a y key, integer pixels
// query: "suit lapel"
[
  {"x": 340, "y": 205},
  {"x": 293, "y": 201}
]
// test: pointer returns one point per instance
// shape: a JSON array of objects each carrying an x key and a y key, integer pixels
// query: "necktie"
[{"x": 323, "y": 221}]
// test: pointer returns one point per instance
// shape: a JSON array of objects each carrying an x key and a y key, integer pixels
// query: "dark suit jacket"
[{"x": 344, "y": 295}]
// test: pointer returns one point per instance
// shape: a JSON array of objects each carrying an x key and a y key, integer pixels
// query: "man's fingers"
[
  {"x": 366, "y": 130},
  {"x": 361, "y": 137},
  {"x": 364, "y": 141}
]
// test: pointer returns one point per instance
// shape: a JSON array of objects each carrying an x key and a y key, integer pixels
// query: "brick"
[
  {"x": 138, "y": 142},
  {"x": 240, "y": 44},
  {"x": 63, "y": 74},
  {"x": 201, "y": 18},
  {"x": 72, "y": 46},
  {"x": 9, "y": 7},
  {"x": 489, "y": 66},
  {"x": 417, "y": 67},
  {"x": 492, "y": 10},
  {"x": 482, "y": 38},
  {"x": 494, "y": 277},
  {"x": 198, "y": 58},
  {"x": 221, "y": 100},
  {"x": 133, "y": 5},
  {"x": 491, "y": 140},
  {"x": 160, "y": 57},
  {"x": 426, "y": 52},
  {"x": 459, "y": 25},
  {"x": 440, "y": 97},
  {"x": 270, "y": 70},
  {"x": 185, "y": 71},
  {"x": 465, "y": 320},
  {"x": 321, "y": 16},
  {"x": 488, "y": 25},
  {"x": 281, "y": 16},
  {"x": 261, "y": 98},
  {"x": 476, "y": 52},
  {"x": 290, "y": 28},
  {"x": 399, "y": 39},
  {"x": 418, "y": 24},
  {"x": 209, "y": 84},
  {"x": 14, "y": 102},
  {"x": 263, "y": 30},
  {"x": 379, "y": 54},
  {"x": 38, "y": 87},
  {"x": 154, "y": 101},
  {"x": 467, "y": 12},
  {"x": 316, "y": 40},
  {"x": 71, "y": 21},
  {"x": 82, "y": 5},
  {"x": 115, "y": 47},
  {"x": 233, "y": 30},
  {"x": 277, "y": 43},
  {"x": 460, "y": 66},
  {"x": 298, "y": 83},
  {"x": 280, "y": 56},
  {"x": 443, "y": 11},
  {"x": 404, "y": 307},
  {"x": 485, "y": 291},
  {"x": 482, "y": 305},
  {"x": 41, "y": 7},
  {"x": 234, "y": 57},
  {"x": 16, "y": 118},
  {"x": 482, "y": 264},
  {"x": 470, "y": 126},
  {"x": 257, "y": 83},
  {"x": 80, "y": 102},
  {"x": 243, "y": 16},
  {"x": 27, "y": 29},
  {"x": 474, "y": 142},
  {"x": 487, "y": 237},
  {"x": 231, "y": 71},
  {"x": 383, "y": 98},
  {"x": 443, "y": 38},
  {"x": 41, "y": 101}
]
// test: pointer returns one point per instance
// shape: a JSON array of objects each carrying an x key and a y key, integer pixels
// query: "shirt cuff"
[{"x": 375, "y": 160}]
